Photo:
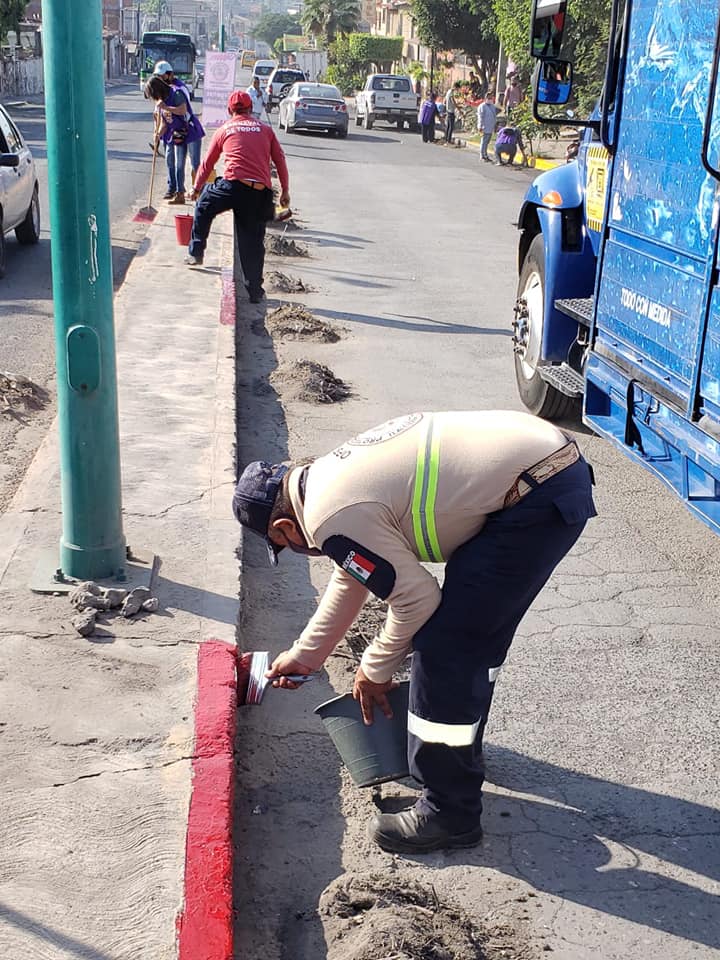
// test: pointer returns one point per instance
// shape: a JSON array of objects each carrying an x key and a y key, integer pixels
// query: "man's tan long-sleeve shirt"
[{"x": 409, "y": 491}]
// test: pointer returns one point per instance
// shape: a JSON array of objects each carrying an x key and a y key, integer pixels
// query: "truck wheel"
[
  {"x": 400, "y": 124},
  {"x": 358, "y": 120},
  {"x": 367, "y": 121},
  {"x": 538, "y": 396}
]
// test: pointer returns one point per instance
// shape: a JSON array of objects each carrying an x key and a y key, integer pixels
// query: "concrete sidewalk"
[{"x": 96, "y": 735}]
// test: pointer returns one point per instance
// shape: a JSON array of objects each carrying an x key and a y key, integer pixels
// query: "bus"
[{"x": 177, "y": 48}]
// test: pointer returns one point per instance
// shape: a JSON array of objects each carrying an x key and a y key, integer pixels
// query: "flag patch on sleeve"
[
  {"x": 368, "y": 568},
  {"x": 358, "y": 566}
]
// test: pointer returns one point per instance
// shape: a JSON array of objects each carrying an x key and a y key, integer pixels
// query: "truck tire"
[
  {"x": 400, "y": 124},
  {"x": 538, "y": 396},
  {"x": 358, "y": 120},
  {"x": 368, "y": 121}
]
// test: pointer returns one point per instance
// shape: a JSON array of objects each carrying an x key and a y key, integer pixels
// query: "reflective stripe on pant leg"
[{"x": 451, "y": 734}]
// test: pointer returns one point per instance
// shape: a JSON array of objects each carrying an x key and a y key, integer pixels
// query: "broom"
[
  {"x": 147, "y": 214},
  {"x": 251, "y": 679}
]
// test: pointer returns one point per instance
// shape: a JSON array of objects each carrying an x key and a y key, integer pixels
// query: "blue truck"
[{"x": 619, "y": 273}]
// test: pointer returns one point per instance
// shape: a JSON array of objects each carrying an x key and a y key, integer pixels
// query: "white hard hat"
[{"x": 161, "y": 67}]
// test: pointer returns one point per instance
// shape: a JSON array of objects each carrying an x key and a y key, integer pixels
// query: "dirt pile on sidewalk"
[
  {"x": 309, "y": 381},
  {"x": 293, "y": 322},
  {"x": 371, "y": 916},
  {"x": 17, "y": 391},
  {"x": 281, "y": 247},
  {"x": 283, "y": 283}
]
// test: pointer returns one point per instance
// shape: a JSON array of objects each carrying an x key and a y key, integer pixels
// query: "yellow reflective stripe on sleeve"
[
  {"x": 451, "y": 734},
  {"x": 427, "y": 470}
]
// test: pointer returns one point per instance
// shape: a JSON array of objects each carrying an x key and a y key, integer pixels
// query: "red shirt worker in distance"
[{"x": 245, "y": 188}]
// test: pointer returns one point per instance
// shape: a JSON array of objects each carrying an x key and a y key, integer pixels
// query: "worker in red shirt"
[{"x": 245, "y": 188}]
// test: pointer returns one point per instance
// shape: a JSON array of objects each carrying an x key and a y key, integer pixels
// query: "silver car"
[
  {"x": 19, "y": 200},
  {"x": 314, "y": 106}
]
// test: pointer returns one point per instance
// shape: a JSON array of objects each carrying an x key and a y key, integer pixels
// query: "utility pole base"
[{"x": 138, "y": 570}]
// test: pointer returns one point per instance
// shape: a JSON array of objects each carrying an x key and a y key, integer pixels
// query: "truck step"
[
  {"x": 580, "y": 309},
  {"x": 564, "y": 379}
]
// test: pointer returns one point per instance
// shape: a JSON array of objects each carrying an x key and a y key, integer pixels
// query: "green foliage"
[
  {"x": 328, "y": 19},
  {"x": 381, "y": 51},
  {"x": 271, "y": 26},
  {"x": 11, "y": 13},
  {"x": 585, "y": 41},
  {"x": 155, "y": 7},
  {"x": 533, "y": 133},
  {"x": 344, "y": 77},
  {"x": 417, "y": 71},
  {"x": 467, "y": 25}
]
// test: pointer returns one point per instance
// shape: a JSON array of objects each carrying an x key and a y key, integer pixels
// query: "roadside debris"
[
  {"x": 283, "y": 283},
  {"x": 89, "y": 598},
  {"x": 18, "y": 391},
  {"x": 309, "y": 381},
  {"x": 364, "y": 630},
  {"x": 281, "y": 247},
  {"x": 293, "y": 322},
  {"x": 367, "y": 916}
]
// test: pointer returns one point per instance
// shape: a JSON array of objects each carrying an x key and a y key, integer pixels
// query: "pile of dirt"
[
  {"x": 17, "y": 392},
  {"x": 309, "y": 381},
  {"x": 364, "y": 630},
  {"x": 283, "y": 283},
  {"x": 281, "y": 247},
  {"x": 293, "y": 322},
  {"x": 393, "y": 917}
]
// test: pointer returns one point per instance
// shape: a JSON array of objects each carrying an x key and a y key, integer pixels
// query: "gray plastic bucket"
[{"x": 373, "y": 754}]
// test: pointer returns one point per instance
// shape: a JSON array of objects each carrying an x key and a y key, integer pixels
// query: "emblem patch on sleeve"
[{"x": 369, "y": 569}]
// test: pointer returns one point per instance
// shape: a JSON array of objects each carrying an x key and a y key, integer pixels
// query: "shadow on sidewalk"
[
  {"x": 288, "y": 825},
  {"x": 69, "y": 946}
]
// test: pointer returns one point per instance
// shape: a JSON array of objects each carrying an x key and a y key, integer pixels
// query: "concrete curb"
[{"x": 205, "y": 924}]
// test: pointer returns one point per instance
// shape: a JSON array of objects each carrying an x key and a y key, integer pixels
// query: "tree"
[
  {"x": 271, "y": 27},
  {"x": 327, "y": 19},
  {"x": 11, "y": 13},
  {"x": 467, "y": 25},
  {"x": 380, "y": 51},
  {"x": 585, "y": 41}
]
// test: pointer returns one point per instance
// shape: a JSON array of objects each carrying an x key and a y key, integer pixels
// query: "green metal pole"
[
  {"x": 221, "y": 26},
  {"x": 92, "y": 545}
]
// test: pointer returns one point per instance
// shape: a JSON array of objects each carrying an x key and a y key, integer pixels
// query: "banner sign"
[{"x": 218, "y": 84}]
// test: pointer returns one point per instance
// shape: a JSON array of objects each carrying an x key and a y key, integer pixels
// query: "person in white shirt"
[
  {"x": 450, "y": 109},
  {"x": 259, "y": 101}
]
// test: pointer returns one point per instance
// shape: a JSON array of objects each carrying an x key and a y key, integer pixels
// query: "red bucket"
[{"x": 183, "y": 228}]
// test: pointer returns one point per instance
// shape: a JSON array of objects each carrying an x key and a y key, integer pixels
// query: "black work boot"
[{"x": 420, "y": 831}]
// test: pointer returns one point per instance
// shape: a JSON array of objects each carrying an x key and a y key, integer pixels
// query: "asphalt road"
[
  {"x": 26, "y": 325},
  {"x": 602, "y": 752}
]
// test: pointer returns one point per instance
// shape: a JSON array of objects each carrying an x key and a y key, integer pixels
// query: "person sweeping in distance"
[
  {"x": 245, "y": 188},
  {"x": 499, "y": 497}
]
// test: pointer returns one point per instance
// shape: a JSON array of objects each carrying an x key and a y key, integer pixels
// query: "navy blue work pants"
[
  {"x": 490, "y": 582},
  {"x": 251, "y": 211}
]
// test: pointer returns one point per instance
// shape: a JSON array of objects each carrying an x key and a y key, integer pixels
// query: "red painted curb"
[
  {"x": 227, "y": 302},
  {"x": 205, "y": 929}
]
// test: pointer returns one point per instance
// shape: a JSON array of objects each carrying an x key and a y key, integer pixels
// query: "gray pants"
[{"x": 486, "y": 138}]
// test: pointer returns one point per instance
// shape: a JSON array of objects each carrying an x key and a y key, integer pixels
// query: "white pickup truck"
[{"x": 389, "y": 97}]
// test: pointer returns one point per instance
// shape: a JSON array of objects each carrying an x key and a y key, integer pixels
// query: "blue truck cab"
[{"x": 619, "y": 281}]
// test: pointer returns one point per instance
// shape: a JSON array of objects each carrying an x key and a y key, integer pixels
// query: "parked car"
[
  {"x": 314, "y": 106},
  {"x": 388, "y": 97},
  {"x": 262, "y": 69},
  {"x": 280, "y": 82},
  {"x": 19, "y": 199},
  {"x": 199, "y": 72}
]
